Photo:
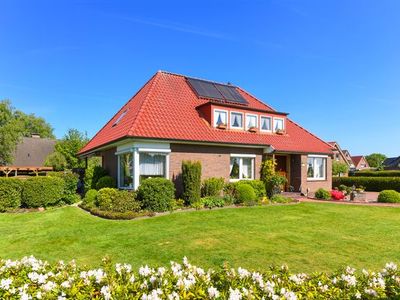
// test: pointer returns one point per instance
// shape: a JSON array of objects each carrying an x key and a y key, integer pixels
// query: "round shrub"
[
  {"x": 125, "y": 201},
  {"x": 10, "y": 193},
  {"x": 94, "y": 173},
  {"x": 105, "y": 198},
  {"x": 105, "y": 182},
  {"x": 245, "y": 194},
  {"x": 90, "y": 198},
  {"x": 322, "y": 194},
  {"x": 258, "y": 186},
  {"x": 212, "y": 187},
  {"x": 155, "y": 194},
  {"x": 42, "y": 191},
  {"x": 389, "y": 196}
]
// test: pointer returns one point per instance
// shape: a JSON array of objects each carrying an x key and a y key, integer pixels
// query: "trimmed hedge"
[
  {"x": 372, "y": 184},
  {"x": 376, "y": 174},
  {"x": 70, "y": 185},
  {"x": 389, "y": 196},
  {"x": 10, "y": 194},
  {"x": 42, "y": 191},
  {"x": 156, "y": 194},
  {"x": 191, "y": 181}
]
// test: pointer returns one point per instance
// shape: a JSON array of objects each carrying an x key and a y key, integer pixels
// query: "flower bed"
[{"x": 30, "y": 278}]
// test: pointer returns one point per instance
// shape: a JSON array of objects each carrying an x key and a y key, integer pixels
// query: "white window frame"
[
  {"x": 118, "y": 154},
  {"x": 252, "y": 115},
  {"x": 270, "y": 123},
  {"x": 219, "y": 111},
  {"x": 240, "y": 156},
  {"x": 283, "y": 123},
  {"x": 325, "y": 157},
  {"x": 231, "y": 122}
]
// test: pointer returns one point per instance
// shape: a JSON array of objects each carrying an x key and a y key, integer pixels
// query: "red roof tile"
[{"x": 165, "y": 108}]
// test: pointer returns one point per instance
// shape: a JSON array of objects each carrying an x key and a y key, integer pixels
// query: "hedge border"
[{"x": 371, "y": 184}]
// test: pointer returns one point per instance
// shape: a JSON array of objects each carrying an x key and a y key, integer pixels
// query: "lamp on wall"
[{"x": 269, "y": 149}]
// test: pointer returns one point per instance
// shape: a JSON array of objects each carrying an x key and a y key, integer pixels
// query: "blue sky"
[{"x": 333, "y": 65}]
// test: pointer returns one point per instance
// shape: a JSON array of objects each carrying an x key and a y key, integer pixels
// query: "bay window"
[
  {"x": 316, "y": 167},
  {"x": 241, "y": 167}
]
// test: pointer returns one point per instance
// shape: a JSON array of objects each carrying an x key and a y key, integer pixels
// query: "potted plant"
[
  {"x": 280, "y": 131},
  {"x": 253, "y": 129},
  {"x": 221, "y": 126}
]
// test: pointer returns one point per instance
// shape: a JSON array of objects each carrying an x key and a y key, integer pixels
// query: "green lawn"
[{"x": 307, "y": 237}]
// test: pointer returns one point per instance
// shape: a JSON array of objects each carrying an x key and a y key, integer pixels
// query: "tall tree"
[
  {"x": 69, "y": 146},
  {"x": 375, "y": 160},
  {"x": 15, "y": 124}
]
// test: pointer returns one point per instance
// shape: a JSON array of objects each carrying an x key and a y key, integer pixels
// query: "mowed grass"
[{"x": 307, "y": 237}]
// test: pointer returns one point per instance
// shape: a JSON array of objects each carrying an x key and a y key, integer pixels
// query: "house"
[
  {"x": 338, "y": 154},
  {"x": 347, "y": 156},
  {"x": 392, "y": 163},
  {"x": 360, "y": 162},
  {"x": 30, "y": 155},
  {"x": 174, "y": 118}
]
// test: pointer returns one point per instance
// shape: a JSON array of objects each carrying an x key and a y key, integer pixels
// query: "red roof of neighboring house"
[
  {"x": 165, "y": 108},
  {"x": 356, "y": 159}
]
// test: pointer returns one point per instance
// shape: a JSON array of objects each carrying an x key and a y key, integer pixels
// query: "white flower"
[
  {"x": 350, "y": 280},
  {"x": 243, "y": 273},
  {"x": 66, "y": 284},
  {"x": 49, "y": 286},
  {"x": 105, "y": 291},
  {"x": 5, "y": 284},
  {"x": 298, "y": 279},
  {"x": 357, "y": 295},
  {"x": 173, "y": 296},
  {"x": 371, "y": 292},
  {"x": 391, "y": 266},
  {"x": 145, "y": 271},
  {"x": 24, "y": 296},
  {"x": 350, "y": 270},
  {"x": 212, "y": 292},
  {"x": 234, "y": 294},
  {"x": 154, "y": 295},
  {"x": 132, "y": 279}
]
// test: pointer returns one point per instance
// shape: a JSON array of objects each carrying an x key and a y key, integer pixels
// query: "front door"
[{"x": 281, "y": 167}]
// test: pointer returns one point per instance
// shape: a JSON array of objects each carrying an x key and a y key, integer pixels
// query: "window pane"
[
  {"x": 246, "y": 168},
  {"x": 278, "y": 124},
  {"x": 220, "y": 117},
  {"x": 265, "y": 123},
  {"x": 319, "y": 164},
  {"x": 310, "y": 167},
  {"x": 251, "y": 121},
  {"x": 236, "y": 120},
  {"x": 234, "y": 171},
  {"x": 151, "y": 165},
  {"x": 126, "y": 170}
]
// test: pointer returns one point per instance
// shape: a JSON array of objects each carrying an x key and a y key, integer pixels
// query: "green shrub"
[
  {"x": 70, "y": 185},
  {"x": 155, "y": 194},
  {"x": 377, "y": 174},
  {"x": 112, "y": 215},
  {"x": 42, "y": 191},
  {"x": 191, "y": 181},
  {"x": 10, "y": 193},
  {"x": 258, "y": 186},
  {"x": 322, "y": 194},
  {"x": 389, "y": 196},
  {"x": 274, "y": 184},
  {"x": 280, "y": 199},
  {"x": 371, "y": 184},
  {"x": 125, "y": 201},
  {"x": 105, "y": 182},
  {"x": 213, "y": 201},
  {"x": 212, "y": 187},
  {"x": 230, "y": 190},
  {"x": 245, "y": 194},
  {"x": 177, "y": 204},
  {"x": 90, "y": 198},
  {"x": 94, "y": 175},
  {"x": 105, "y": 198}
]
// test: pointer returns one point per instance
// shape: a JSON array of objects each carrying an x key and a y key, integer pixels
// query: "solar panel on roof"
[{"x": 208, "y": 89}]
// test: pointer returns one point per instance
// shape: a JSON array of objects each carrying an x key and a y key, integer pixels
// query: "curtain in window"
[
  {"x": 234, "y": 170},
  {"x": 246, "y": 168},
  {"x": 265, "y": 123},
  {"x": 251, "y": 121},
  {"x": 310, "y": 168},
  {"x": 236, "y": 120},
  {"x": 220, "y": 117},
  {"x": 152, "y": 164},
  {"x": 319, "y": 167},
  {"x": 278, "y": 124}
]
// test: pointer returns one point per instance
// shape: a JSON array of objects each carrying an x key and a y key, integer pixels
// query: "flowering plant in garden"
[
  {"x": 337, "y": 195},
  {"x": 31, "y": 278}
]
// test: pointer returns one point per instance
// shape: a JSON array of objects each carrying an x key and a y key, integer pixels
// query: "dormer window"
[
  {"x": 220, "y": 118},
  {"x": 266, "y": 124},
  {"x": 279, "y": 125},
  {"x": 251, "y": 121},
  {"x": 236, "y": 120}
]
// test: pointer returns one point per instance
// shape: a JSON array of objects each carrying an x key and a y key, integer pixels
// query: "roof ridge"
[
  {"x": 309, "y": 132},
  {"x": 152, "y": 82}
]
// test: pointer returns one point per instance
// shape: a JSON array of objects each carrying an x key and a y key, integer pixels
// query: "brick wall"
[
  {"x": 215, "y": 160},
  {"x": 315, "y": 185}
]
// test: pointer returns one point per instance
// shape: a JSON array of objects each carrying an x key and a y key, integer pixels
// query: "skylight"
[{"x": 120, "y": 117}]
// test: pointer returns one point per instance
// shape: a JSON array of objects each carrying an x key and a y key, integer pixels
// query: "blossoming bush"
[
  {"x": 337, "y": 195},
  {"x": 30, "y": 278}
]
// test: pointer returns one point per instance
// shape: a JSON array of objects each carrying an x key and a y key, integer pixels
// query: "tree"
[
  {"x": 375, "y": 160},
  {"x": 339, "y": 168},
  {"x": 57, "y": 161},
  {"x": 69, "y": 146}
]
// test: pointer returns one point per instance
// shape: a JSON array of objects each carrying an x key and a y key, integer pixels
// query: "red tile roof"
[
  {"x": 356, "y": 159},
  {"x": 165, "y": 108}
]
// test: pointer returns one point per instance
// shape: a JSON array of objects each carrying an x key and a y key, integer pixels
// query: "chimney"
[{"x": 35, "y": 135}]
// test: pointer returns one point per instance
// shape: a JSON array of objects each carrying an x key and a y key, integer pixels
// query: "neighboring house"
[
  {"x": 360, "y": 162},
  {"x": 338, "y": 154},
  {"x": 348, "y": 158},
  {"x": 174, "y": 118},
  {"x": 30, "y": 155},
  {"x": 392, "y": 163}
]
